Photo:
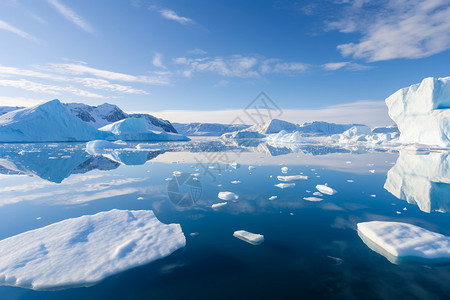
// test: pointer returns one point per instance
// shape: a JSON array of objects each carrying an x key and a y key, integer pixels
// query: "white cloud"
[
  {"x": 197, "y": 51},
  {"x": 171, "y": 15},
  {"x": 393, "y": 29},
  {"x": 20, "y": 101},
  {"x": 157, "y": 60},
  {"x": 335, "y": 66},
  {"x": 45, "y": 88},
  {"x": 221, "y": 83},
  {"x": 371, "y": 113},
  {"x": 12, "y": 29},
  {"x": 70, "y": 15}
]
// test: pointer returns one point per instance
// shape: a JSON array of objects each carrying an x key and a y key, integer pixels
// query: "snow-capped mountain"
[
  {"x": 207, "y": 129},
  {"x": 105, "y": 114},
  {"x": 315, "y": 128}
]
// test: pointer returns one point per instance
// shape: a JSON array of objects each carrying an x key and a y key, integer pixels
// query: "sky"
[{"x": 202, "y": 60}]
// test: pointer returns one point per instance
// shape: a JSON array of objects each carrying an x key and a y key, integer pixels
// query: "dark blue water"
[{"x": 311, "y": 249}]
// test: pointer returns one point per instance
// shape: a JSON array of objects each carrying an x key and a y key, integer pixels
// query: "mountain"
[
  {"x": 313, "y": 128},
  {"x": 207, "y": 129},
  {"x": 105, "y": 114},
  {"x": 47, "y": 122},
  {"x": 274, "y": 126}
]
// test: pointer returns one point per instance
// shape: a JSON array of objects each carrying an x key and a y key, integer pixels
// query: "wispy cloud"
[
  {"x": 197, "y": 51},
  {"x": 20, "y": 101},
  {"x": 12, "y": 29},
  {"x": 393, "y": 29},
  {"x": 70, "y": 15},
  {"x": 46, "y": 88},
  {"x": 157, "y": 60},
  {"x": 172, "y": 15}
]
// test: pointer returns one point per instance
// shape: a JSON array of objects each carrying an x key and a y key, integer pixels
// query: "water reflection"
[{"x": 422, "y": 179}]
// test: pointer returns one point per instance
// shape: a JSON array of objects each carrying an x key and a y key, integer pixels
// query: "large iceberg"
[
  {"x": 47, "y": 122},
  {"x": 207, "y": 129},
  {"x": 85, "y": 250},
  {"x": 396, "y": 240},
  {"x": 422, "y": 112},
  {"x": 422, "y": 179},
  {"x": 133, "y": 129}
]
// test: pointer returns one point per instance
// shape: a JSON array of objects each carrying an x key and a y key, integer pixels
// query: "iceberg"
[
  {"x": 422, "y": 179},
  {"x": 133, "y": 129},
  {"x": 286, "y": 137},
  {"x": 422, "y": 112},
  {"x": 396, "y": 240},
  {"x": 47, "y": 122},
  {"x": 292, "y": 178},
  {"x": 251, "y": 238},
  {"x": 285, "y": 185},
  {"x": 227, "y": 196},
  {"x": 325, "y": 189},
  {"x": 207, "y": 129},
  {"x": 84, "y": 250},
  {"x": 217, "y": 205},
  {"x": 312, "y": 199},
  {"x": 243, "y": 134}
]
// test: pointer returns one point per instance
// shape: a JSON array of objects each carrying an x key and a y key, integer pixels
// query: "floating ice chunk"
[
  {"x": 217, "y": 205},
  {"x": 251, "y": 168},
  {"x": 168, "y": 179},
  {"x": 325, "y": 189},
  {"x": 252, "y": 238},
  {"x": 177, "y": 173},
  {"x": 292, "y": 178},
  {"x": 312, "y": 199},
  {"x": 348, "y": 162},
  {"x": 235, "y": 182},
  {"x": 194, "y": 234},
  {"x": 284, "y": 170},
  {"x": 350, "y": 180},
  {"x": 140, "y": 198},
  {"x": 273, "y": 197},
  {"x": 373, "y": 196},
  {"x": 318, "y": 194},
  {"x": 395, "y": 239},
  {"x": 235, "y": 165},
  {"x": 285, "y": 185},
  {"x": 85, "y": 250},
  {"x": 372, "y": 171},
  {"x": 228, "y": 196}
]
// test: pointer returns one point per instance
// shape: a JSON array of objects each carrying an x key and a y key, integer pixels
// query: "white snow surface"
[
  {"x": 422, "y": 112},
  {"x": 133, "y": 129},
  {"x": 227, "y": 196},
  {"x": 406, "y": 240},
  {"x": 84, "y": 250},
  {"x": 292, "y": 178},
  {"x": 325, "y": 189},
  {"x": 252, "y": 238},
  {"x": 47, "y": 122}
]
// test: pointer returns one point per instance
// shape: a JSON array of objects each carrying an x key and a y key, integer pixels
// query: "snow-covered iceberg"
[
  {"x": 286, "y": 137},
  {"x": 243, "y": 134},
  {"x": 47, "y": 122},
  {"x": 251, "y": 238},
  {"x": 422, "y": 179},
  {"x": 207, "y": 129},
  {"x": 85, "y": 250},
  {"x": 396, "y": 240},
  {"x": 227, "y": 196},
  {"x": 422, "y": 112},
  {"x": 133, "y": 129}
]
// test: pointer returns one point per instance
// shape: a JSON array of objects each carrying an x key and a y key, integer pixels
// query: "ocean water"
[{"x": 311, "y": 250}]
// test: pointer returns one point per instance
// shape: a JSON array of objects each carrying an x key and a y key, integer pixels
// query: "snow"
[
  {"x": 228, "y": 196},
  {"x": 47, "y": 122},
  {"x": 404, "y": 240},
  {"x": 324, "y": 189},
  {"x": 285, "y": 185},
  {"x": 312, "y": 199},
  {"x": 217, "y": 205},
  {"x": 292, "y": 178},
  {"x": 422, "y": 112},
  {"x": 84, "y": 250},
  {"x": 132, "y": 129},
  {"x": 207, "y": 129},
  {"x": 422, "y": 180},
  {"x": 252, "y": 238}
]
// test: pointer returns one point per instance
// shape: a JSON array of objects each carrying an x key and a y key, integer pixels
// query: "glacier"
[
  {"x": 84, "y": 250},
  {"x": 422, "y": 112},
  {"x": 396, "y": 240}
]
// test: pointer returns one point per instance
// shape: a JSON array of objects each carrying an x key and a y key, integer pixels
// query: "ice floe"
[
  {"x": 84, "y": 250},
  {"x": 217, "y": 205},
  {"x": 252, "y": 238},
  {"x": 325, "y": 189},
  {"x": 273, "y": 197},
  {"x": 312, "y": 199},
  {"x": 285, "y": 185},
  {"x": 228, "y": 196},
  {"x": 292, "y": 178}
]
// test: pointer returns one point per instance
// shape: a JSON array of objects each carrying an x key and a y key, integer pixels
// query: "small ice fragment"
[
  {"x": 324, "y": 189},
  {"x": 168, "y": 179},
  {"x": 350, "y": 180},
  {"x": 176, "y": 173},
  {"x": 313, "y": 169},
  {"x": 285, "y": 185},
  {"x": 252, "y": 238},
  {"x": 228, "y": 196},
  {"x": 292, "y": 178},
  {"x": 250, "y": 168},
  {"x": 235, "y": 182},
  {"x": 284, "y": 170},
  {"x": 373, "y": 196},
  {"x": 195, "y": 178},
  {"x": 196, "y": 174},
  {"x": 312, "y": 199},
  {"x": 291, "y": 214},
  {"x": 404, "y": 208},
  {"x": 348, "y": 162},
  {"x": 219, "y": 185},
  {"x": 193, "y": 234},
  {"x": 308, "y": 191},
  {"x": 273, "y": 197},
  {"x": 235, "y": 165},
  {"x": 38, "y": 218},
  {"x": 318, "y": 194},
  {"x": 398, "y": 213},
  {"x": 270, "y": 176},
  {"x": 140, "y": 198},
  {"x": 372, "y": 171},
  {"x": 217, "y": 205}
]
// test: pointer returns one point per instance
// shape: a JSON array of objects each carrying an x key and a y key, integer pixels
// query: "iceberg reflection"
[{"x": 421, "y": 179}]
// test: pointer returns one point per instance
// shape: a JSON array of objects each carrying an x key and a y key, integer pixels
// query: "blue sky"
[{"x": 161, "y": 56}]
